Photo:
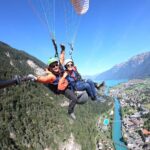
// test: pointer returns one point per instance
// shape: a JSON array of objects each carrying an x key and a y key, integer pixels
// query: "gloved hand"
[
  {"x": 32, "y": 77},
  {"x": 62, "y": 47},
  {"x": 17, "y": 78}
]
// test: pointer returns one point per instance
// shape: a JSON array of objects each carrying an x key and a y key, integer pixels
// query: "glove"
[
  {"x": 62, "y": 47},
  {"x": 32, "y": 77},
  {"x": 17, "y": 78}
]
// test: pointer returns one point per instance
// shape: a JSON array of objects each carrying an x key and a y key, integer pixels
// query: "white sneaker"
[
  {"x": 100, "y": 99},
  {"x": 72, "y": 115}
]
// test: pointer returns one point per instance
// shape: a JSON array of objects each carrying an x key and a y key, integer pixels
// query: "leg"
[
  {"x": 81, "y": 86},
  {"x": 99, "y": 85},
  {"x": 91, "y": 83},
  {"x": 94, "y": 90},
  {"x": 70, "y": 95},
  {"x": 82, "y": 97}
]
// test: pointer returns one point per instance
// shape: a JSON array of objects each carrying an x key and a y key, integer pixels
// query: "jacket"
[{"x": 53, "y": 79}]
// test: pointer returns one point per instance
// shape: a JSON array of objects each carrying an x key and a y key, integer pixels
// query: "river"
[{"x": 117, "y": 129}]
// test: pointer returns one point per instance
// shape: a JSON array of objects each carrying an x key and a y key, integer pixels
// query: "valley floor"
[{"x": 134, "y": 98}]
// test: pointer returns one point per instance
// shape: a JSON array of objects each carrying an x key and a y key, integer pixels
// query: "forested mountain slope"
[{"x": 33, "y": 118}]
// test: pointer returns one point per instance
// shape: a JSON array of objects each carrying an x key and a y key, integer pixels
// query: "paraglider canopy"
[
  {"x": 47, "y": 12},
  {"x": 81, "y": 6}
]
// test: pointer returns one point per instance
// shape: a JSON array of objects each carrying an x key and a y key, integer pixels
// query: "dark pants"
[
  {"x": 67, "y": 93},
  {"x": 73, "y": 100},
  {"x": 88, "y": 86},
  {"x": 92, "y": 85},
  {"x": 81, "y": 86}
]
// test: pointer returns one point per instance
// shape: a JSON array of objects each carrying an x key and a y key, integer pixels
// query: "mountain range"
[{"x": 136, "y": 67}]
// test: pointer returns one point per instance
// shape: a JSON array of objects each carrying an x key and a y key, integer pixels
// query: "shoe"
[
  {"x": 99, "y": 85},
  {"x": 93, "y": 98},
  {"x": 72, "y": 115},
  {"x": 100, "y": 99}
]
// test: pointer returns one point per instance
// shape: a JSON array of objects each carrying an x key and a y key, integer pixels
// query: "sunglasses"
[
  {"x": 54, "y": 65},
  {"x": 70, "y": 65}
]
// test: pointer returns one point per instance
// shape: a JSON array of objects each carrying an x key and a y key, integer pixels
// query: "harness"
[
  {"x": 57, "y": 80},
  {"x": 53, "y": 86},
  {"x": 73, "y": 78}
]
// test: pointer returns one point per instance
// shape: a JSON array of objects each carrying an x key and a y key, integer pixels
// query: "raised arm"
[{"x": 62, "y": 54}]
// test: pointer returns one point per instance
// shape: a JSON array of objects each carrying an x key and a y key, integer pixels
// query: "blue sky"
[{"x": 110, "y": 32}]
